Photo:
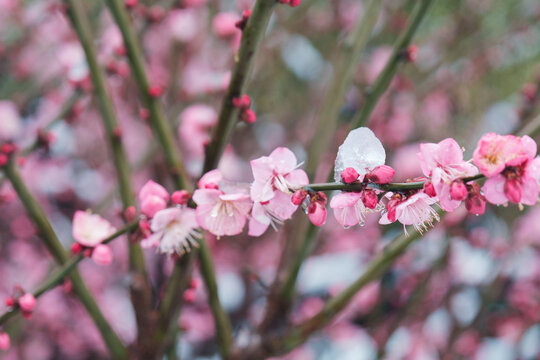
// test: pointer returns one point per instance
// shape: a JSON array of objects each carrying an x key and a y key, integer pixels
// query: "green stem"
[
  {"x": 57, "y": 277},
  {"x": 346, "y": 58},
  {"x": 251, "y": 38},
  {"x": 60, "y": 255},
  {"x": 223, "y": 324},
  {"x": 160, "y": 125},
  {"x": 386, "y": 76},
  {"x": 141, "y": 290},
  {"x": 416, "y": 185}
]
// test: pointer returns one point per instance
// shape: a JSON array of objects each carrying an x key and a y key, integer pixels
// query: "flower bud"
[
  {"x": 349, "y": 175},
  {"x": 190, "y": 295},
  {"x": 475, "y": 204},
  {"x": 4, "y": 341},
  {"x": 10, "y": 301},
  {"x": 3, "y": 159},
  {"x": 317, "y": 213},
  {"x": 429, "y": 189},
  {"x": 382, "y": 174},
  {"x": 370, "y": 199},
  {"x": 458, "y": 191},
  {"x": 391, "y": 208},
  {"x": 249, "y": 116},
  {"x": 152, "y": 204},
  {"x": 512, "y": 190},
  {"x": 242, "y": 102},
  {"x": 102, "y": 255},
  {"x": 76, "y": 248},
  {"x": 130, "y": 213},
  {"x": 294, "y": 3},
  {"x": 155, "y": 91},
  {"x": 298, "y": 197},
  {"x": 27, "y": 302},
  {"x": 180, "y": 197}
]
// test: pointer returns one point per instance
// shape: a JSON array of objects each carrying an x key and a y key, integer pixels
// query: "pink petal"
[
  {"x": 262, "y": 169},
  {"x": 256, "y": 228},
  {"x": 297, "y": 178},
  {"x": 102, "y": 255},
  {"x": 164, "y": 217},
  {"x": 529, "y": 195},
  {"x": 152, "y": 188},
  {"x": 152, "y": 204},
  {"x": 206, "y": 196},
  {"x": 282, "y": 206},
  {"x": 211, "y": 178},
  {"x": 284, "y": 160},
  {"x": 345, "y": 199},
  {"x": 262, "y": 190},
  {"x": 493, "y": 190}
]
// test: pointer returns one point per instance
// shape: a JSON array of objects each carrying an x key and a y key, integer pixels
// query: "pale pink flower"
[
  {"x": 494, "y": 152},
  {"x": 222, "y": 213},
  {"x": 102, "y": 255},
  {"x": 349, "y": 208},
  {"x": 90, "y": 229},
  {"x": 153, "y": 198},
  {"x": 183, "y": 24},
  {"x": 10, "y": 126},
  {"x": 27, "y": 302},
  {"x": 444, "y": 163},
  {"x": 210, "y": 180},
  {"x": 518, "y": 181},
  {"x": 5, "y": 343},
  {"x": 174, "y": 231},
  {"x": 415, "y": 210},
  {"x": 276, "y": 177}
]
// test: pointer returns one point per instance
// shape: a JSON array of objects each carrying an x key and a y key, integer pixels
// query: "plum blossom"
[
  {"x": 221, "y": 209},
  {"x": 444, "y": 163},
  {"x": 275, "y": 178},
  {"x": 494, "y": 152},
  {"x": 102, "y": 255},
  {"x": 414, "y": 210},
  {"x": 349, "y": 208},
  {"x": 361, "y": 151},
  {"x": 153, "y": 198},
  {"x": 90, "y": 229},
  {"x": 518, "y": 180},
  {"x": 174, "y": 231}
]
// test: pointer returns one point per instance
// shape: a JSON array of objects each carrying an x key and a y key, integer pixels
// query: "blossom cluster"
[{"x": 508, "y": 163}]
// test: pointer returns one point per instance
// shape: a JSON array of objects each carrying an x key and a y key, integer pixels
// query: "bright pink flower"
[
  {"x": 458, "y": 191},
  {"x": 221, "y": 213},
  {"x": 276, "y": 177},
  {"x": 174, "y": 231},
  {"x": 102, "y": 255},
  {"x": 518, "y": 181},
  {"x": 349, "y": 208},
  {"x": 27, "y": 302},
  {"x": 494, "y": 152},
  {"x": 153, "y": 198},
  {"x": 443, "y": 162},
  {"x": 90, "y": 229},
  {"x": 415, "y": 210},
  {"x": 5, "y": 343}
]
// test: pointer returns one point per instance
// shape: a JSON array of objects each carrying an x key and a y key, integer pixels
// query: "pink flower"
[
  {"x": 443, "y": 162},
  {"x": 222, "y": 213},
  {"x": 518, "y": 181},
  {"x": 153, "y": 198},
  {"x": 210, "y": 180},
  {"x": 382, "y": 174},
  {"x": 415, "y": 210},
  {"x": 224, "y": 24},
  {"x": 90, "y": 229},
  {"x": 195, "y": 124},
  {"x": 174, "y": 231},
  {"x": 349, "y": 175},
  {"x": 276, "y": 177},
  {"x": 10, "y": 126},
  {"x": 27, "y": 302},
  {"x": 349, "y": 208},
  {"x": 317, "y": 209},
  {"x": 102, "y": 255},
  {"x": 494, "y": 152},
  {"x": 5, "y": 343}
]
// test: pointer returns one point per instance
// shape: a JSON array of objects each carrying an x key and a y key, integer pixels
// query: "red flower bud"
[
  {"x": 512, "y": 190},
  {"x": 294, "y": 3},
  {"x": 76, "y": 248},
  {"x": 155, "y": 91},
  {"x": 298, "y": 197},
  {"x": 458, "y": 191},
  {"x": 370, "y": 199},
  {"x": 382, "y": 174},
  {"x": 429, "y": 189},
  {"x": 249, "y": 116},
  {"x": 130, "y": 213},
  {"x": 349, "y": 175},
  {"x": 180, "y": 197}
]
